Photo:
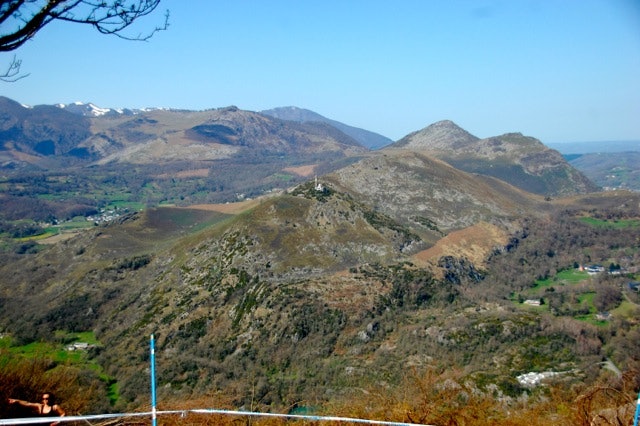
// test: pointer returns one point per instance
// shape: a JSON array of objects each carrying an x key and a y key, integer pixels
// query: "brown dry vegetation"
[
  {"x": 437, "y": 396},
  {"x": 474, "y": 243},
  {"x": 305, "y": 171},
  {"x": 62, "y": 236},
  {"x": 228, "y": 208}
]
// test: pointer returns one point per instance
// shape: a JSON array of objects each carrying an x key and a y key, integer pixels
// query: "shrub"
[{"x": 76, "y": 390}]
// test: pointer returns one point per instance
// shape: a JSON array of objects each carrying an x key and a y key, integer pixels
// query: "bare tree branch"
[
  {"x": 20, "y": 20},
  {"x": 12, "y": 73}
]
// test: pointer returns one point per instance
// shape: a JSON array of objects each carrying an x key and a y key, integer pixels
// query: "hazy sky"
[{"x": 558, "y": 70}]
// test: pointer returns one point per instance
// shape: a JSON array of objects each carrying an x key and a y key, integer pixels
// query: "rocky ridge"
[{"x": 521, "y": 160}]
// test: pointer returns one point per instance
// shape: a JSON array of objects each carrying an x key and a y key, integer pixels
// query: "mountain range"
[
  {"x": 52, "y": 137},
  {"x": 339, "y": 269}
]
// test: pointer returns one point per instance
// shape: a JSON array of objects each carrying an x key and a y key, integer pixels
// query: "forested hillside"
[{"x": 229, "y": 317}]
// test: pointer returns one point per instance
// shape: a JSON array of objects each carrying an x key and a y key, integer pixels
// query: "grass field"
[
  {"x": 616, "y": 224},
  {"x": 55, "y": 352},
  {"x": 566, "y": 276}
]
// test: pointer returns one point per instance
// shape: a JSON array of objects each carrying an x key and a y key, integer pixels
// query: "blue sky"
[{"x": 558, "y": 70}]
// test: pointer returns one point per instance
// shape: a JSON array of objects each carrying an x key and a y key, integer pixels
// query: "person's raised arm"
[{"x": 24, "y": 403}]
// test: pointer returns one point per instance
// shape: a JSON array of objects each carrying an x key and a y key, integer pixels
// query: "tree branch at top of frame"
[
  {"x": 27, "y": 17},
  {"x": 21, "y": 20}
]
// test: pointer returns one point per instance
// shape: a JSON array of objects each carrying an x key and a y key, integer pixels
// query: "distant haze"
[{"x": 593, "y": 147}]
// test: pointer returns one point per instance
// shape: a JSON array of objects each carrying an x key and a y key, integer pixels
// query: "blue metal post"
[
  {"x": 635, "y": 421},
  {"x": 153, "y": 382}
]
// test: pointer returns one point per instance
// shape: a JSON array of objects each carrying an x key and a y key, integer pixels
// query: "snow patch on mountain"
[{"x": 89, "y": 109}]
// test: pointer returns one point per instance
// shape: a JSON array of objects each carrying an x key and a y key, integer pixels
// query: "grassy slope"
[{"x": 227, "y": 308}]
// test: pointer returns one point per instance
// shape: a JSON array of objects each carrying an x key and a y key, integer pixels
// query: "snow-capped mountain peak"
[{"x": 88, "y": 109}]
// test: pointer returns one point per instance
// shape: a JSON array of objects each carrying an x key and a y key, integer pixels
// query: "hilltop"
[
  {"x": 523, "y": 161},
  {"x": 366, "y": 138},
  {"x": 414, "y": 188}
]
